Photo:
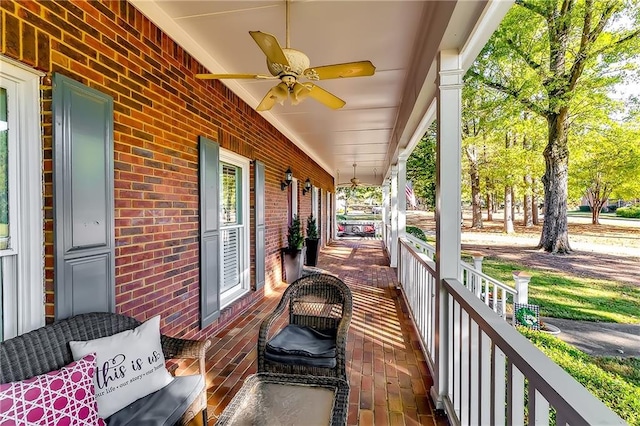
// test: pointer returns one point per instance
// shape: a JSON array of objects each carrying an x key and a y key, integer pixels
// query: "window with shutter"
[{"x": 234, "y": 190}]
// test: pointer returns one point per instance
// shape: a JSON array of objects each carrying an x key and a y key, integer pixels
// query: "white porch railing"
[
  {"x": 492, "y": 292},
  {"x": 487, "y": 360}
]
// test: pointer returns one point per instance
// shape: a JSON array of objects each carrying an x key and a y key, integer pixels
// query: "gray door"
[
  {"x": 260, "y": 224},
  {"x": 83, "y": 199},
  {"x": 209, "y": 232}
]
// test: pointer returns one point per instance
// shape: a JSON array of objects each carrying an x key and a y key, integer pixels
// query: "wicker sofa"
[{"x": 47, "y": 349}]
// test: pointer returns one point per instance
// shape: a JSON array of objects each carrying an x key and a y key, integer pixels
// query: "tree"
[
  {"x": 359, "y": 195},
  {"x": 607, "y": 166},
  {"x": 421, "y": 168},
  {"x": 543, "y": 55}
]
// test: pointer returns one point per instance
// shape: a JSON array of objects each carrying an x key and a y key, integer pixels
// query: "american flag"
[{"x": 411, "y": 197}]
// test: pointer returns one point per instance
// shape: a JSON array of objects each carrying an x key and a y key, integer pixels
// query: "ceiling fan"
[
  {"x": 289, "y": 65},
  {"x": 354, "y": 180}
]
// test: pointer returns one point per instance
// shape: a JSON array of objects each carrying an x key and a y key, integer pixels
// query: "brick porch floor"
[{"x": 388, "y": 377}]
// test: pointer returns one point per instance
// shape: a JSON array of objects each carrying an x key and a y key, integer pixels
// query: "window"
[
  {"x": 234, "y": 227},
  {"x": 21, "y": 236}
]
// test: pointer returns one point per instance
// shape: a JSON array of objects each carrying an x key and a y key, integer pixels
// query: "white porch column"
[
  {"x": 402, "y": 197},
  {"x": 393, "y": 250},
  {"x": 334, "y": 224},
  {"x": 448, "y": 172},
  {"x": 385, "y": 214}
]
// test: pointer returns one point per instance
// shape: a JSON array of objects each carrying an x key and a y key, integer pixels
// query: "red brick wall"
[{"x": 160, "y": 110}]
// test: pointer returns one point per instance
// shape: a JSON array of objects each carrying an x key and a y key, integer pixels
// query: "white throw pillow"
[{"x": 129, "y": 365}]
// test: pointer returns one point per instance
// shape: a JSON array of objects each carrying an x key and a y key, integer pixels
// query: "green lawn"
[
  {"x": 615, "y": 381},
  {"x": 564, "y": 296}
]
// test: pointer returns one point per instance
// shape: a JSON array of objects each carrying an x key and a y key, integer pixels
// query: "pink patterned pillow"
[{"x": 62, "y": 397}]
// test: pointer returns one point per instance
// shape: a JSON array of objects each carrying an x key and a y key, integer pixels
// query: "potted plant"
[
  {"x": 312, "y": 241},
  {"x": 292, "y": 254}
]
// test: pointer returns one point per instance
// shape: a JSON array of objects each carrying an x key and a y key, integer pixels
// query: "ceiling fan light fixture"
[{"x": 299, "y": 92}]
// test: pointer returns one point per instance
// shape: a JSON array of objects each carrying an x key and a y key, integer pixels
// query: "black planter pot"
[
  {"x": 312, "y": 251},
  {"x": 293, "y": 262}
]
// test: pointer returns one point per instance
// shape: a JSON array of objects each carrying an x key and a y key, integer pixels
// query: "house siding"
[{"x": 160, "y": 110}]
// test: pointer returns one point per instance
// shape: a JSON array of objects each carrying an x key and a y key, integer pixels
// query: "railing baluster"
[
  {"x": 498, "y": 380},
  {"x": 465, "y": 352},
  {"x": 515, "y": 395},
  {"x": 474, "y": 372},
  {"x": 457, "y": 342},
  {"x": 538, "y": 408},
  {"x": 485, "y": 379}
]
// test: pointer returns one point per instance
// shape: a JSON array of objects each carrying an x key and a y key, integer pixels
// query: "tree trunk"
[
  {"x": 528, "y": 202},
  {"x": 534, "y": 210},
  {"x": 597, "y": 195},
  {"x": 514, "y": 208},
  {"x": 489, "y": 207},
  {"x": 474, "y": 175},
  {"x": 595, "y": 213},
  {"x": 508, "y": 210},
  {"x": 555, "y": 232}
]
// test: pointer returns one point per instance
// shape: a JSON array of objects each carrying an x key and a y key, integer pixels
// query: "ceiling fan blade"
[
  {"x": 270, "y": 46},
  {"x": 351, "y": 69},
  {"x": 324, "y": 97},
  {"x": 235, "y": 76},
  {"x": 276, "y": 94}
]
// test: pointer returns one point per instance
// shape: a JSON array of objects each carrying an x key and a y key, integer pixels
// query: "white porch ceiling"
[{"x": 384, "y": 113}]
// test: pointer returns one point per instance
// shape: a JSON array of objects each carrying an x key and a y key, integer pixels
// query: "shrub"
[
  {"x": 631, "y": 211},
  {"x": 416, "y": 232},
  {"x": 295, "y": 239},
  {"x": 618, "y": 393},
  {"x": 312, "y": 228}
]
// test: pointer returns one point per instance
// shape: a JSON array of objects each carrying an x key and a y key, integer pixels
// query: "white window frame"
[
  {"x": 23, "y": 264},
  {"x": 227, "y": 298},
  {"x": 294, "y": 198}
]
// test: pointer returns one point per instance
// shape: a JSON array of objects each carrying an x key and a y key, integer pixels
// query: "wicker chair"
[
  {"x": 321, "y": 304},
  {"x": 47, "y": 349}
]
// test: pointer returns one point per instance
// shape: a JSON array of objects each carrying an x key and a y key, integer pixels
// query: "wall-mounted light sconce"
[
  {"x": 307, "y": 187},
  {"x": 288, "y": 178}
]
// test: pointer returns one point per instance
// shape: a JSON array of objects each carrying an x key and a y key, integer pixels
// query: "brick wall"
[{"x": 160, "y": 110}]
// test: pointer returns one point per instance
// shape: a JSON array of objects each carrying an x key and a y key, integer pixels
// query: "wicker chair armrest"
[
  {"x": 265, "y": 326},
  {"x": 184, "y": 348},
  {"x": 341, "y": 342}
]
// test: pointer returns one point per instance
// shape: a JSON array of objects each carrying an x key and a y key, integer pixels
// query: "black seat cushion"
[
  {"x": 163, "y": 407},
  {"x": 297, "y": 344}
]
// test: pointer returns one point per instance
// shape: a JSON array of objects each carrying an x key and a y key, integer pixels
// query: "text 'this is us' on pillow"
[
  {"x": 62, "y": 397},
  {"x": 129, "y": 365}
]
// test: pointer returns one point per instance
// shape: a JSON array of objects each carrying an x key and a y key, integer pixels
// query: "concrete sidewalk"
[{"x": 600, "y": 338}]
